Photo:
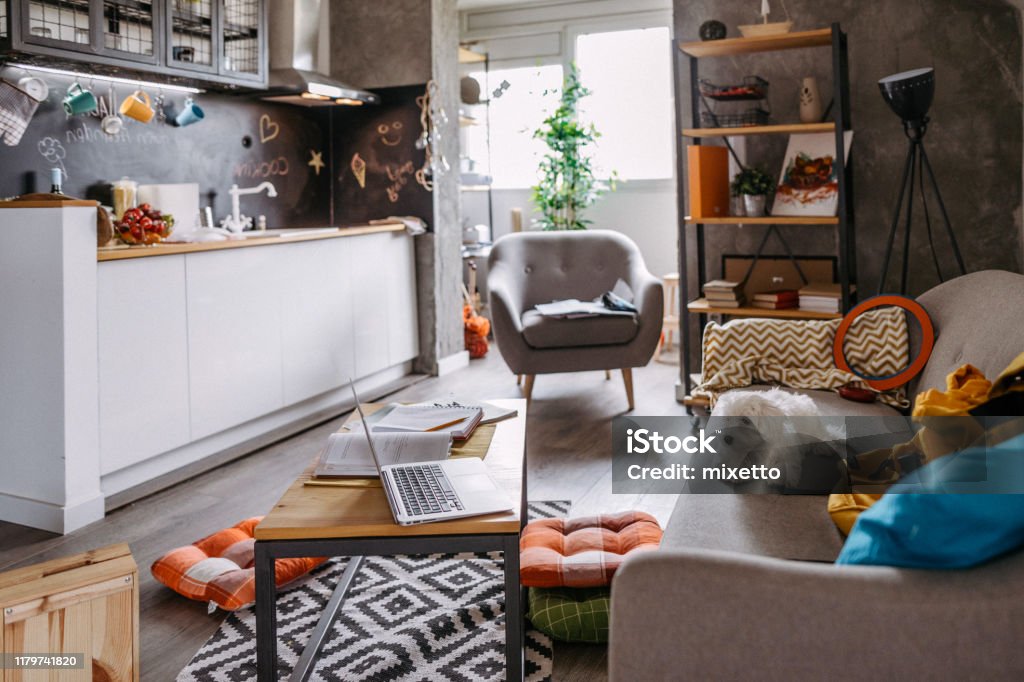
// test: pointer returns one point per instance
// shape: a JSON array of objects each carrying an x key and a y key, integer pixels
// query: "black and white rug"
[{"x": 434, "y": 617}]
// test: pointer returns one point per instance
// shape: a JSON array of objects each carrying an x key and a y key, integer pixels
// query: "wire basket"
[
  {"x": 752, "y": 88},
  {"x": 750, "y": 117}
]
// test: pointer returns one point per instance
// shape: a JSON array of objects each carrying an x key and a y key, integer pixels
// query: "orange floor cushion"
[
  {"x": 585, "y": 551},
  {"x": 219, "y": 568}
]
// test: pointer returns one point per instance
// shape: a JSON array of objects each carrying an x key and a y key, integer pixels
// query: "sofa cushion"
[
  {"x": 552, "y": 332},
  {"x": 219, "y": 568},
  {"x": 779, "y": 526},
  {"x": 939, "y": 529},
  {"x": 584, "y": 551},
  {"x": 571, "y": 615}
]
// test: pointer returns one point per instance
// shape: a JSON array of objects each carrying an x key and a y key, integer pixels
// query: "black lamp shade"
[{"x": 909, "y": 93}]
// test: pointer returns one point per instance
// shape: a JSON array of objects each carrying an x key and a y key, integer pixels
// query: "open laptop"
[{"x": 436, "y": 491}]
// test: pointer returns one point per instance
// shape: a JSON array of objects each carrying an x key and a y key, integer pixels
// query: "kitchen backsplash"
[{"x": 241, "y": 140}]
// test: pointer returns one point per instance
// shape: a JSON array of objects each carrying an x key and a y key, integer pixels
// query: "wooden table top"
[{"x": 315, "y": 512}]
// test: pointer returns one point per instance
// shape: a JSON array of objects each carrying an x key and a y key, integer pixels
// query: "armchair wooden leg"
[
  {"x": 607, "y": 375},
  {"x": 528, "y": 389},
  {"x": 519, "y": 380},
  {"x": 627, "y": 378}
]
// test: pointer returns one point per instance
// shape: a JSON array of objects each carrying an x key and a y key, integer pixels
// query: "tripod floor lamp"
[{"x": 910, "y": 95}]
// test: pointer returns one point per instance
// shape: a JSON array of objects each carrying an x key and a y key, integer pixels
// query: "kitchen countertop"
[{"x": 122, "y": 252}]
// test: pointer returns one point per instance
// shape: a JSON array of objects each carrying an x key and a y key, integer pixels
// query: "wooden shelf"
[
  {"x": 733, "y": 46},
  {"x": 782, "y": 129},
  {"x": 702, "y": 306},
  {"x": 467, "y": 56},
  {"x": 766, "y": 220}
]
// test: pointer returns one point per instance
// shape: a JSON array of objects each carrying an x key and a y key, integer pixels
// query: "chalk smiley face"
[{"x": 390, "y": 134}]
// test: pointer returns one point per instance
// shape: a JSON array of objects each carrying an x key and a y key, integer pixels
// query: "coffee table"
[{"x": 311, "y": 521}]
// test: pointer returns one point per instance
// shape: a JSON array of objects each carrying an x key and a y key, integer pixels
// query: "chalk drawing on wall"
[
  {"x": 390, "y": 135},
  {"x": 399, "y": 177},
  {"x": 359, "y": 169},
  {"x": 316, "y": 160},
  {"x": 268, "y": 129},
  {"x": 53, "y": 151}
]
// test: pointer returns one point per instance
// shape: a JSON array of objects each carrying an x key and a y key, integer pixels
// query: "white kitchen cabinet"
[
  {"x": 143, "y": 360},
  {"x": 403, "y": 326},
  {"x": 371, "y": 270},
  {"x": 316, "y": 317},
  {"x": 234, "y": 337}
]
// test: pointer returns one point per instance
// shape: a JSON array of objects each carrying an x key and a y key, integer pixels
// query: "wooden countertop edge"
[{"x": 169, "y": 249}]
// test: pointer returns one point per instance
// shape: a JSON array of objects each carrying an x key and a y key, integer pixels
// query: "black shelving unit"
[{"x": 687, "y": 64}]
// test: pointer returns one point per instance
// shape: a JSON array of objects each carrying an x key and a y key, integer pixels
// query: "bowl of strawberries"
[{"x": 143, "y": 225}]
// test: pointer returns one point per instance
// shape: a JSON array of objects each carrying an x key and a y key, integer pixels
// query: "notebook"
[
  {"x": 459, "y": 422},
  {"x": 347, "y": 455},
  {"x": 492, "y": 413}
]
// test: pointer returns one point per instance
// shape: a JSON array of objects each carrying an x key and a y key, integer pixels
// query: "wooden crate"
[{"x": 86, "y": 604}]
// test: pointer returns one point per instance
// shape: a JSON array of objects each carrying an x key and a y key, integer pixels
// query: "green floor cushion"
[{"x": 571, "y": 614}]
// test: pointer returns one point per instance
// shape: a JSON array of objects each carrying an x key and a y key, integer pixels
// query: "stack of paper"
[
  {"x": 457, "y": 421},
  {"x": 348, "y": 455}
]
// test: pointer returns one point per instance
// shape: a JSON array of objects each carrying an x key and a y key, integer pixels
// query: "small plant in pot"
[{"x": 754, "y": 185}]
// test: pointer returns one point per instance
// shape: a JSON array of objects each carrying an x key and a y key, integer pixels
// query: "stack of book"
[
  {"x": 776, "y": 300},
  {"x": 822, "y": 298},
  {"x": 722, "y": 293}
]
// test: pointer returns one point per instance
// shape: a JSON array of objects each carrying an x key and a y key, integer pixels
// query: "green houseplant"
[
  {"x": 567, "y": 185},
  {"x": 754, "y": 185}
]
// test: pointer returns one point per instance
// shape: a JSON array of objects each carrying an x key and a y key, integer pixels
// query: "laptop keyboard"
[{"x": 425, "y": 490}]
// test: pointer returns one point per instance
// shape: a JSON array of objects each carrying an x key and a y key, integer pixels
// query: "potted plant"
[
  {"x": 567, "y": 184},
  {"x": 754, "y": 185}
]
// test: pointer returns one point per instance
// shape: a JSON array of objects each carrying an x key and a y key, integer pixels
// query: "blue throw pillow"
[{"x": 941, "y": 529}]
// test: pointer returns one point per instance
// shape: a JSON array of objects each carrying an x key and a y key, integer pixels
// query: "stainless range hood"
[{"x": 299, "y": 41}]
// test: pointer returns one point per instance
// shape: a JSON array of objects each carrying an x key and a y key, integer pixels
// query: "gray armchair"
[{"x": 528, "y": 268}]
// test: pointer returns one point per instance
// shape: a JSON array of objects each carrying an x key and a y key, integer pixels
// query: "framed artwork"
[{"x": 809, "y": 182}]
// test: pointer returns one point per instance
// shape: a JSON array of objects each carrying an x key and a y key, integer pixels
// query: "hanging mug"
[
  {"x": 79, "y": 100},
  {"x": 190, "y": 113},
  {"x": 139, "y": 106}
]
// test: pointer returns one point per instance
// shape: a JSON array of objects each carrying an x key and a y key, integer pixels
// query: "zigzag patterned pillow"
[{"x": 798, "y": 353}]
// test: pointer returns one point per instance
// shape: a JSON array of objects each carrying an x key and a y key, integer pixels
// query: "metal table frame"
[{"x": 267, "y": 551}]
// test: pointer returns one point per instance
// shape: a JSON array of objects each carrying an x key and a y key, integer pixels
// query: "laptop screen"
[{"x": 366, "y": 427}]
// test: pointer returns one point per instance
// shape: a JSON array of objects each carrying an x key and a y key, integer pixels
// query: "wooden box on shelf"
[
  {"x": 708, "y": 173},
  {"x": 86, "y": 605}
]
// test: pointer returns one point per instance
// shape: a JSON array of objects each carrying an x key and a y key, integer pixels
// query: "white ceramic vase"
[{"x": 810, "y": 101}]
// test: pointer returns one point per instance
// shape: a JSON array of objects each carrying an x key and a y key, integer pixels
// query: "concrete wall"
[
  {"x": 382, "y": 43},
  {"x": 974, "y": 141},
  {"x": 388, "y": 43}
]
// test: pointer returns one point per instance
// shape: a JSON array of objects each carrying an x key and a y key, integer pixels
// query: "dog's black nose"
[{"x": 728, "y": 440}]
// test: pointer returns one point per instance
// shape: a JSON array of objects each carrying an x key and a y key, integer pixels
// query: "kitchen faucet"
[{"x": 236, "y": 222}]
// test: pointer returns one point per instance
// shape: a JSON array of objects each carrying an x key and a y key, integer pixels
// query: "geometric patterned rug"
[{"x": 432, "y": 617}]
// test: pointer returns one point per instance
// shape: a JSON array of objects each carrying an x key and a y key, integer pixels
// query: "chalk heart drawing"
[
  {"x": 268, "y": 129},
  {"x": 359, "y": 169}
]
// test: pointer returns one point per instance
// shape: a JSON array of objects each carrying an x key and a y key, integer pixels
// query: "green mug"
[{"x": 79, "y": 100}]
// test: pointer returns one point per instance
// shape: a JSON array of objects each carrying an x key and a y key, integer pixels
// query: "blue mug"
[{"x": 191, "y": 113}]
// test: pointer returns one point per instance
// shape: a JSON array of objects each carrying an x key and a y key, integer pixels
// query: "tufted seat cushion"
[
  {"x": 585, "y": 551},
  {"x": 552, "y": 332},
  {"x": 219, "y": 568}
]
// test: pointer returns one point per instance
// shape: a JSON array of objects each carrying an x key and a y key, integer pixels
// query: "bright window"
[
  {"x": 630, "y": 75},
  {"x": 519, "y": 111}
]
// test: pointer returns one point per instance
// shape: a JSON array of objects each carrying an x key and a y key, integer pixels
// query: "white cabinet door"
[
  {"x": 234, "y": 337},
  {"x": 316, "y": 316},
  {"x": 369, "y": 285},
  {"x": 143, "y": 359},
  {"x": 403, "y": 334}
]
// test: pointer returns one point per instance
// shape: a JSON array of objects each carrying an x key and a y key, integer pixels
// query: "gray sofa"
[
  {"x": 743, "y": 587},
  {"x": 528, "y": 268}
]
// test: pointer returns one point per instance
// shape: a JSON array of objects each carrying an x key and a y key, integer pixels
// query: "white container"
[
  {"x": 180, "y": 200},
  {"x": 810, "y": 101}
]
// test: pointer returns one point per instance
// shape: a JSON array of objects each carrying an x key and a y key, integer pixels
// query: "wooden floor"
[{"x": 569, "y": 436}]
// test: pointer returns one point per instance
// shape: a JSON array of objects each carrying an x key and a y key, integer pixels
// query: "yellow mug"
[{"x": 138, "y": 106}]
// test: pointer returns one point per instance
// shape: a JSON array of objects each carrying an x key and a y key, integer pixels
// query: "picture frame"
[{"x": 809, "y": 181}]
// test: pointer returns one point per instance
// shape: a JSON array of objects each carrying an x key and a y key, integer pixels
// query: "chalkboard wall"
[{"x": 242, "y": 140}]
